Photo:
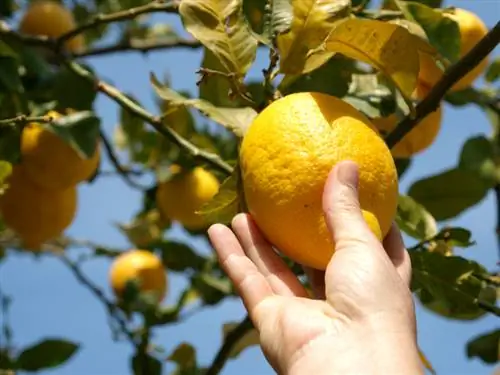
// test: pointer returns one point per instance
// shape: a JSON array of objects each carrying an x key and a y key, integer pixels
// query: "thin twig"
[
  {"x": 113, "y": 310},
  {"x": 489, "y": 308},
  {"x": 137, "y": 45},
  {"x": 225, "y": 350},
  {"x": 122, "y": 15},
  {"x": 23, "y": 119},
  {"x": 116, "y": 163},
  {"x": 452, "y": 75},
  {"x": 117, "y": 96}
]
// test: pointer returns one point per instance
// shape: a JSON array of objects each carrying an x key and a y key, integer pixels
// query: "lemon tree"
[{"x": 342, "y": 79}]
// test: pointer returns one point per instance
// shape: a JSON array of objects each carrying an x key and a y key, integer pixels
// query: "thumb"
[{"x": 341, "y": 206}]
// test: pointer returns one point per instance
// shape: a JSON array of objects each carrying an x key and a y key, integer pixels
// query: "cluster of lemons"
[{"x": 40, "y": 201}]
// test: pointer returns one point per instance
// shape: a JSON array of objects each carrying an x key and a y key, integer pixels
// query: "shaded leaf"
[
  {"x": 311, "y": 24},
  {"x": 414, "y": 219},
  {"x": 71, "y": 91},
  {"x": 9, "y": 75},
  {"x": 485, "y": 346},
  {"x": 177, "y": 256},
  {"x": 221, "y": 27},
  {"x": 254, "y": 13},
  {"x": 442, "y": 32},
  {"x": 250, "y": 338},
  {"x": 450, "y": 193},
  {"x": 402, "y": 165},
  {"x": 226, "y": 203},
  {"x": 5, "y": 171},
  {"x": 235, "y": 119},
  {"x": 145, "y": 228},
  {"x": 493, "y": 72},
  {"x": 7, "y": 362},
  {"x": 46, "y": 354},
  {"x": 478, "y": 156},
  {"x": 388, "y": 47},
  {"x": 184, "y": 356},
  {"x": 210, "y": 288},
  {"x": 447, "y": 286},
  {"x": 458, "y": 237},
  {"x": 144, "y": 364},
  {"x": 215, "y": 88},
  {"x": 80, "y": 130}
]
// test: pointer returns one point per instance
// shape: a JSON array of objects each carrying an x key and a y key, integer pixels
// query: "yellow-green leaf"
[
  {"x": 221, "y": 27},
  {"x": 235, "y": 119},
  {"x": 215, "y": 88},
  {"x": 184, "y": 356},
  {"x": 5, "y": 171},
  {"x": 250, "y": 338},
  {"x": 388, "y": 47},
  {"x": 311, "y": 24},
  {"x": 414, "y": 219}
]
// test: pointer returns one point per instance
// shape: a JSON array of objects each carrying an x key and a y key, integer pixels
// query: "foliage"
[{"x": 343, "y": 48}]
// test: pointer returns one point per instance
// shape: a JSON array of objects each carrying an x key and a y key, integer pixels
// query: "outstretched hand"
[{"x": 362, "y": 319}]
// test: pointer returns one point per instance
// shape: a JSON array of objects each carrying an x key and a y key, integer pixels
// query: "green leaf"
[
  {"x": 413, "y": 219},
  {"x": 179, "y": 257},
  {"x": 402, "y": 165},
  {"x": 442, "y": 32},
  {"x": 450, "y": 193},
  {"x": 71, "y": 91},
  {"x": 5, "y": 171},
  {"x": 331, "y": 78},
  {"x": 485, "y": 346},
  {"x": 493, "y": 72},
  {"x": 311, "y": 24},
  {"x": 7, "y": 8},
  {"x": 10, "y": 144},
  {"x": 46, "y": 354},
  {"x": 221, "y": 27},
  {"x": 184, "y": 356},
  {"x": 250, "y": 338},
  {"x": 9, "y": 75},
  {"x": 215, "y": 88},
  {"x": 254, "y": 13},
  {"x": 226, "y": 203},
  {"x": 211, "y": 289},
  {"x": 388, "y": 47},
  {"x": 80, "y": 130},
  {"x": 235, "y": 119},
  {"x": 146, "y": 365},
  {"x": 478, "y": 156},
  {"x": 447, "y": 286},
  {"x": 7, "y": 362},
  {"x": 457, "y": 237}
]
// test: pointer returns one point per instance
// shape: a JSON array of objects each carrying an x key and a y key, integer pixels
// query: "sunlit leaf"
[
  {"x": 46, "y": 354},
  {"x": 249, "y": 339},
  {"x": 449, "y": 193},
  {"x": 442, "y": 32},
  {"x": 485, "y": 346},
  {"x": 388, "y": 47},
  {"x": 221, "y": 27},
  {"x": 311, "y": 24},
  {"x": 455, "y": 236},
  {"x": 478, "y": 156},
  {"x": 235, "y": 119},
  {"x": 413, "y": 219}
]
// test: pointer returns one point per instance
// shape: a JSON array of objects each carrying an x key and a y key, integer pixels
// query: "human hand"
[{"x": 363, "y": 320}]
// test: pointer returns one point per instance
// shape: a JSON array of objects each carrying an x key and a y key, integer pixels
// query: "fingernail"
[{"x": 347, "y": 173}]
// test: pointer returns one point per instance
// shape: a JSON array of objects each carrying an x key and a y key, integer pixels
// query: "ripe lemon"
[
  {"x": 50, "y": 161},
  {"x": 52, "y": 19},
  {"x": 180, "y": 197},
  {"x": 142, "y": 266},
  {"x": 419, "y": 138},
  {"x": 472, "y": 30},
  {"x": 286, "y": 156},
  {"x": 37, "y": 215}
]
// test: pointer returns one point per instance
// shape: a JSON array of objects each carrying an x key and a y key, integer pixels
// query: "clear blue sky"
[{"x": 49, "y": 302}]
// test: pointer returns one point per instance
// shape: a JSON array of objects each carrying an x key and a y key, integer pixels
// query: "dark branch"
[
  {"x": 119, "y": 168},
  {"x": 231, "y": 340},
  {"x": 452, "y": 75}
]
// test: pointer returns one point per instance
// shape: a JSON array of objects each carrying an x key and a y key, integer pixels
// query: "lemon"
[{"x": 285, "y": 158}]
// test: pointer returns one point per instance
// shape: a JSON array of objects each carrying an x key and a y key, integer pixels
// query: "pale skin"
[{"x": 362, "y": 319}]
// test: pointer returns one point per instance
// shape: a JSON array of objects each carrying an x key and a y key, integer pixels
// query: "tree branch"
[
  {"x": 122, "y": 15},
  {"x": 113, "y": 93},
  {"x": 452, "y": 75},
  {"x": 116, "y": 163},
  {"x": 225, "y": 350},
  {"x": 23, "y": 119}
]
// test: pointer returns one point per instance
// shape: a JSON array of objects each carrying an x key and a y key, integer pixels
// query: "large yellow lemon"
[
  {"x": 180, "y": 197},
  {"x": 37, "y": 215},
  {"x": 286, "y": 156},
  {"x": 52, "y": 19},
  {"x": 51, "y": 162},
  {"x": 141, "y": 266}
]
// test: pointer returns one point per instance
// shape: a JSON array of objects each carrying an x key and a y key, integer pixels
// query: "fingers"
[
  {"x": 341, "y": 207},
  {"x": 252, "y": 286},
  {"x": 278, "y": 275},
  {"x": 396, "y": 250}
]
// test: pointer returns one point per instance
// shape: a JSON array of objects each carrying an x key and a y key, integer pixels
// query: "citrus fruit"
[
  {"x": 472, "y": 30},
  {"x": 37, "y": 215},
  {"x": 180, "y": 197},
  {"x": 141, "y": 266},
  {"x": 52, "y": 19},
  {"x": 285, "y": 158},
  {"x": 419, "y": 138},
  {"x": 50, "y": 161}
]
